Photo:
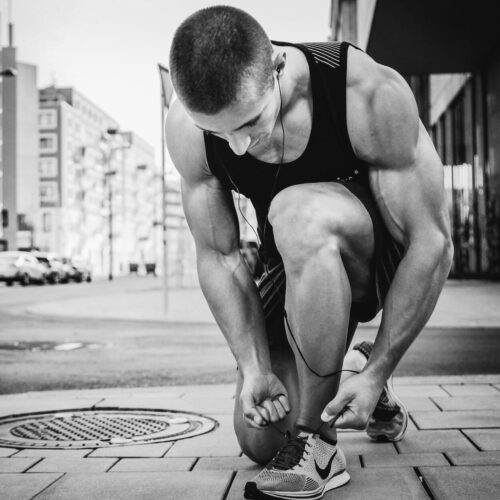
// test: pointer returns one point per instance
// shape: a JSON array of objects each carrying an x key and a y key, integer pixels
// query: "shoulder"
[
  {"x": 382, "y": 114},
  {"x": 186, "y": 144}
]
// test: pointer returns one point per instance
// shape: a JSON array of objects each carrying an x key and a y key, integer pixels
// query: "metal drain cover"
[{"x": 100, "y": 428}]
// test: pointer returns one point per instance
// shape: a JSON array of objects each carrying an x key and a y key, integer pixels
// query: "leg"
[
  {"x": 325, "y": 237},
  {"x": 262, "y": 445}
]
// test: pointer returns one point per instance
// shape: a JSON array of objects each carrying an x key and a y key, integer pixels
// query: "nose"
[{"x": 239, "y": 143}]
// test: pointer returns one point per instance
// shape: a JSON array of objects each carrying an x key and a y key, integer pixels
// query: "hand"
[
  {"x": 264, "y": 400},
  {"x": 354, "y": 403}
]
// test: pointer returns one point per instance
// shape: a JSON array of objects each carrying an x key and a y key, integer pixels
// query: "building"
[
  {"x": 99, "y": 187},
  {"x": 19, "y": 197},
  {"x": 449, "y": 52}
]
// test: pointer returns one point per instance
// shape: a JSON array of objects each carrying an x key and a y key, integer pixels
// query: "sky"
[{"x": 109, "y": 49}]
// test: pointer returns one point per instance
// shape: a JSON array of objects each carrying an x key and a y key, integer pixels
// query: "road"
[{"x": 132, "y": 353}]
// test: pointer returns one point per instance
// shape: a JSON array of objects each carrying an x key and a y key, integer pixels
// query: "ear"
[{"x": 279, "y": 62}]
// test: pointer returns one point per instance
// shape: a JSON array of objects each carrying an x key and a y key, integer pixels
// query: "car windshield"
[{"x": 43, "y": 259}]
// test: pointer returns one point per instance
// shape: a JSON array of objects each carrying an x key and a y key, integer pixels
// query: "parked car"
[
  {"x": 53, "y": 273},
  {"x": 22, "y": 267},
  {"x": 82, "y": 269}
]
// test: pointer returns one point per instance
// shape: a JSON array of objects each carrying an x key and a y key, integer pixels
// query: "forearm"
[
  {"x": 234, "y": 301},
  {"x": 410, "y": 301}
]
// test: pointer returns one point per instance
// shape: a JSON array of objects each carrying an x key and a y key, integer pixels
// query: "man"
[{"x": 348, "y": 192}]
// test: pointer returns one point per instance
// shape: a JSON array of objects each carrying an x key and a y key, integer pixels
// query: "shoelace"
[{"x": 290, "y": 454}]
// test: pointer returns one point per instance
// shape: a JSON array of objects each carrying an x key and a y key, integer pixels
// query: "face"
[{"x": 247, "y": 125}]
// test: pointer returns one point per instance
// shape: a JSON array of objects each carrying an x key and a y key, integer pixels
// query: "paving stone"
[
  {"x": 434, "y": 441},
  {"x": 238, "y": 484},
  {"x": 419, "y": 391},
  {"x": 25, "y": 487},
  {"x": 41, "y": 452},
  {"x": 227, "y": 463},
  {"x": 478, "y": 403},
  {"x": 140, "y": 451},
  {"x": 404, "y": 460},
  {"x": 419, "y": 404},
  {"x": 380, "y": 484},
  {"x": 221, "y": 442},
  {"x": 140, "y": 486},
  {"x": 7, "y": 452},
  {"x": 474, "y": 457},
  {"x": 456, "y": 419},
  {"x": 485, "y": 439},
  {"x": 16, "y": 464},
  {"x": 153, "y": 464},
  {"x": 470, "y": 390},
  {"x": 358, "y": 443},
  {"x": 75, "y": 465},
  {"x": 463, "y": 483}
]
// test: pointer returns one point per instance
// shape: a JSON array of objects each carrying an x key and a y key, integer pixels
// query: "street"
[{"x": 79, "y": 348}]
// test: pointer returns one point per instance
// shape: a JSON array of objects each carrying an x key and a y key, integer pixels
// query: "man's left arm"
[{"x": 406, "y": 178}]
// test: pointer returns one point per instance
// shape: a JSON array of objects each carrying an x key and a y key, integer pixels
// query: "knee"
[{"x": 304, "y": 228}]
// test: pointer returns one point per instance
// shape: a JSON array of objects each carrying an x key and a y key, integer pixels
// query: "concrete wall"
[{"x": 27, "y": 142}]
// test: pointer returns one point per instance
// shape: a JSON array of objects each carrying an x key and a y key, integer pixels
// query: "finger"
[
  {"x": 284, "y": 402},
  {"x": 279, "y": 409},
  {"x": 254, "y": 419},
  {"x": 264, "y": 414},
  {"x": 334, "y": 407},
  {"x": 349, "y": 420},
  {"x": 271, "y": 409}
]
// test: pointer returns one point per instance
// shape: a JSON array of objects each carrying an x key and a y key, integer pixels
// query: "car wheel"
[
  {"x": 25, "y": 280},
  {"x": 9, "y": 283}
]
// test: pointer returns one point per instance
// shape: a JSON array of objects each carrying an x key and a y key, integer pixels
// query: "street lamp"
[{"x": 105, "y": 141}]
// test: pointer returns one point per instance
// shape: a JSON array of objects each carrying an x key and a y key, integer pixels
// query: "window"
[
  {"x": 47, "y": 167},
  {"x": 48, "y": 191},
  {"x": 47, "y": 118},
  {"x": 48, "y": 143},
  {"x": 46, "y": 222}
]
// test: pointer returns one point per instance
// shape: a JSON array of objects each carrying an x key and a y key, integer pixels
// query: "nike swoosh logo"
[{"x": 324, "y": 473}]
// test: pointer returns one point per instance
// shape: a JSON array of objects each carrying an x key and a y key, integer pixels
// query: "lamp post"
[{"x": 105, "y": 140}]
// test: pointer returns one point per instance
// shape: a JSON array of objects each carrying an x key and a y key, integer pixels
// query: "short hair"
[{"x": 214, "y": 54}]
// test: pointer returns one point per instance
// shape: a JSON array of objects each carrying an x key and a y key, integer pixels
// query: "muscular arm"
[
  {"x": 406, "y": 177},
  {"x": 407, "y": 180},
  {"x": 224, "y": 277}
]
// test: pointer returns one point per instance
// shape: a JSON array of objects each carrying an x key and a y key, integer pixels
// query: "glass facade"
[{"x": 459, "y": 136}]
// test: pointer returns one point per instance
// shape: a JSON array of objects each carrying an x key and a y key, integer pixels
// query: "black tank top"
[{"x": 328, "y": 156}]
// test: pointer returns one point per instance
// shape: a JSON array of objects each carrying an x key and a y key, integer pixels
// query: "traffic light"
[{"x": 5, "y": 217}]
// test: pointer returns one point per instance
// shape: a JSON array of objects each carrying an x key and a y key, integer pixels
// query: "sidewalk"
[{"x": 451, "y": 450}]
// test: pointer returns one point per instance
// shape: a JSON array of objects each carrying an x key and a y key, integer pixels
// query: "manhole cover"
[{"x": 100, "y": 428}]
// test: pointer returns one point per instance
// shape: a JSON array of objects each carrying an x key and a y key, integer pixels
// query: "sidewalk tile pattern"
[
  {"x": 26, "y": 486},
  {"x": 463, "y": 483},
  {"x": 454, "y": 444},
  {"x": 140, "y": 486}
]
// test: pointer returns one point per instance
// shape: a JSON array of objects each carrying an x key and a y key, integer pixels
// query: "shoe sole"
[
  {"x": 336, "y": 481},
  {"x": 375, "y": 430}
]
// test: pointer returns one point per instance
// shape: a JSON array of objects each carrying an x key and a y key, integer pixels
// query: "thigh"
[
  {"x": 304, "y": 218},
  {"x": 262, "y": 445}
]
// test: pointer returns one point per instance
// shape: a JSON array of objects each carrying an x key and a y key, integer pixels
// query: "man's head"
[
  {"x": 224, "y": 72},
  {"x": 217, "y": 54}
]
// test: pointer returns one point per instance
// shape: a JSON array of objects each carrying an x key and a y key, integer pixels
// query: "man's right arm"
[{"x": 224, "y": 277}]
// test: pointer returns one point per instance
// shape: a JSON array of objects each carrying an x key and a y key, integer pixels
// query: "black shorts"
[{"x": 387, "y": 256}]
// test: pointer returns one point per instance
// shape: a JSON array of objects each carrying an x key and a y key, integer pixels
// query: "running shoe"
[
  {"x": 306, "y": 467},
  {"x": 389, "y": 420}
]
